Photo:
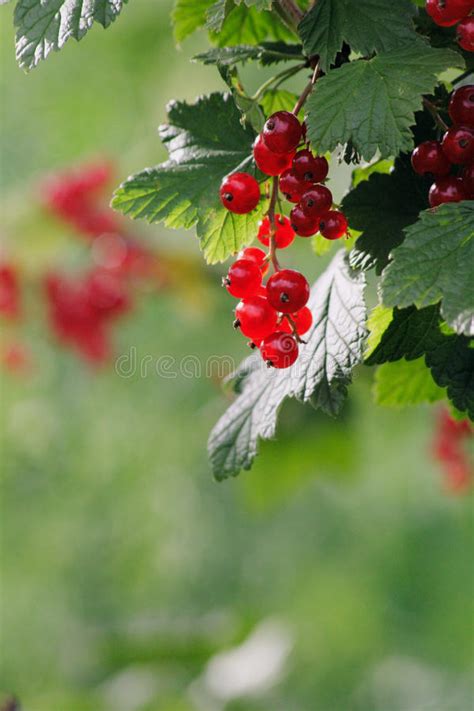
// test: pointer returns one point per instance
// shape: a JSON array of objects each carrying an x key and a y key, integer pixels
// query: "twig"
[
  {"x": 271, "y": 217},
  {"x": 292, "y": 323},
  {"x": 435, "y": 114},
  {"x": 306, "y": 91}
]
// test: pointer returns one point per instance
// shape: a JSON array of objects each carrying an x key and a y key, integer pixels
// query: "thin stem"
[
  {"x": 435, "y": 114},
  {"x": 306, "y": 91},
  {"x": 279, "y": 78},
  {"x": 290, "y": 320},
  {"x": 271, "y": 217},
  {"x": 291, "y": 12}
]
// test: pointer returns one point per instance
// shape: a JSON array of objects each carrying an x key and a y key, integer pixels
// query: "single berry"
[
  {"x": 268, "y": 162},
  {"x": 256, "y": 318},
  {"x": 333, "y": 225},
  {"x": 287, "y": 291},
  {"x": 445, "y": 12},
  {"x": 467, "y": 181},
  {"x": 255, "y": 255},
  {"x": 448, "y": 189},
  {"x": 465, "y": 34},
  {"x": 293, "y": 187},
  {"x": 429, "y": 159},
  {"x": 309, "y": 167},
  {"x": 316, "y": 201},
  {"x": 282, "y": 132},
  {"x": 461, "y": 106},
  {"x": 240, "y": 193},
  {"x": 284, "y": 234},
  {"x": 458, "y": 145},
  {"x": 304, "y": 225},
  {"x": 279, "y": 350},
  {"x": 243, "y": 278},
  {"x": 302, "y": 320}
]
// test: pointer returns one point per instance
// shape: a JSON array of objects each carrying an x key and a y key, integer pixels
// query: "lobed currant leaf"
[
  {"x": 381, "y": 207},
  {"x": 367, "y": 26},
  {"x": 320, "y": 375},
  {"x": 435, "y": 262},
  {"x": 404, "y": 383},
  {"x": 246, "y": 25},
  {"x": 46, "y": 25},
  {"x": 372, "y": 103}
]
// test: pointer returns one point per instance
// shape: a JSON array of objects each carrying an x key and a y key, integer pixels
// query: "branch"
[
  {"x": 271, "y": 217},
  {"x": 435, "y": 114},
  {"x": 306, "y": 91}
]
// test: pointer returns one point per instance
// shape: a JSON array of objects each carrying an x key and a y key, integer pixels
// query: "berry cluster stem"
[
  {"x": 271, "y": 217},
  {"x": 435, "y": 114},
  {"x": 306, "y": 91}
]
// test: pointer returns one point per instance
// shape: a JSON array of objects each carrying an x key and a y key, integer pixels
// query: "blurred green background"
[{"x": 335, "y": 576}]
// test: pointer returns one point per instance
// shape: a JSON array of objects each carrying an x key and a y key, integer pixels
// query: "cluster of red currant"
[
  {"x": 447, "y": 13},
  {"x": 275, "y": 316},
  {"x": 450, "y": 162},
  {"x": 449, "y": 449}
]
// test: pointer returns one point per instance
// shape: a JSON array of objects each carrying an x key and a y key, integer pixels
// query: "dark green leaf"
[
  {"x": 320, "y": 375},
  {"x": 372, "y": 103},
  {"x": 46, "y": 25},
  {"x": 436, "y": 262},
  {"x": 265, "y": 53}
]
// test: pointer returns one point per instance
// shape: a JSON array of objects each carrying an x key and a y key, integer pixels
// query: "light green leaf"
[
  {"x": 188, "y": 16},
  {"x": 277, "y": 100},
  {"x": 405, "y": 383},
  {"x": 372, "y": 103},
  {"x": 367, "y": 26},
  {"x": 436, "y": 262},
  {"x": 320, "y": 375},
  {"x": 377, "y": 323},
  {"x": 46, "y": 25},
  {"x": 221, "y": 233},
  {"x": 246, "y": 25}
]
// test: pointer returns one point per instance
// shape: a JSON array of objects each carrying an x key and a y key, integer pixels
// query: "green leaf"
[
  {"x": 405, "y": 383},
  {"x": 363, "y": 173},
  {"x": 266, "y": 53},
  {"x": 377, "y": 323},
  {"x": 436, "y": 262},
  {"x": 205, "y": 141},
  {"x": 277, "y": 100},
  {"x": 367, "y": 26},
  {"x": 217, "y": 14},
  {"x": 246, "y": 25},
  {"x": 46, "y": 25},
  {"x": 249, "y": 107},
  {"x": 320, "y": 375},
  {"x": 381, "y": 207},
  {"x": 372, "y": 103},
  {"x": 188, "y": 16},
  {"x": 413, "y": 333}
]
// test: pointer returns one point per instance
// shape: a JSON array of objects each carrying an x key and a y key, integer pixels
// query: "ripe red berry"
[
  {"x": 461, "y": 106},
  {"x": 302, "y": 320},
  {"x": 316, "y": 201},
  {"x": 445, "y": 12},
  {"x": 282, "y": 132},
  {"x": 458, "y": 144},
  {"x": 293, "y": 187},
  {"x": 255, "y": 255},
  {"x": 279, "y": 349},
  {"x": 309, "y": 167},
  {"x": 468, "y": 181},
  {"x": 9, "y": 292},
  {"x": 284, "y": 234},
  {"x": 304, "y": 225},
  {"x": 429, "y": 159},
  {"x": 270, "y": 163},
  {"x": 465, "y": 34},
  {"x": 240, "y": 193},
  {"x": 287, "y": 291},
  {"x": 243, "y": 278},
  {"x": 255, "y": 317},
  {"x": 448, "y": 189},
  {"x": 333, "y": 225}
]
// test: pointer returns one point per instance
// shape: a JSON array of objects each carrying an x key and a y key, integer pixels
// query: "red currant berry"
[
  {"x": 309, "y": 167},
  {"x": 302, "y": 320},
  {"x": 444, "y": 12},
  {"x": 333, "y": 225},
  {"x": 282, "y": 132},
  {"x": 287, "y": 291},
  {"x": 468, "y": 181},
  {"x": 279, "y": 350},
  {"x": 256, "y": 318},
  {"x": 243, "y": 278},
  {"x": 461, "y": 106},
  {"x": 448, "y": 189},
  {"x": 284, "y": 234},
  {"x": 255, "y": 254},
  {"x": 458, "y": 144},
  {"x": 429, "y": 159},
  {"x": 293, "y": 187},
  {"x": 240, "y": 193},
  {"x": 465, "y": 34},
  {"x": 270, "y": 163},
  {"x": 304, "y": 225},
  {"x": 316, "y": 201}
]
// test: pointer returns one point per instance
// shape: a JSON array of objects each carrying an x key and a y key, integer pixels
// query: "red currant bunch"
[
  {"x": 447, "y": 13},
  {"x": 450, "y": 438},
  {"x": 449, "y": 163}
]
